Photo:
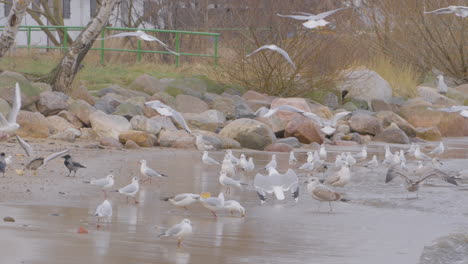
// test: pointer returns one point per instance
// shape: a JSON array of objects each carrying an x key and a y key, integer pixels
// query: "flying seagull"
[
  {"x": 26, "y": 147},
  {"x": 453, "y": 109},
  {"x": 277, "y": 49},
  {"x": 143, "y": 36},
  {"x": 180, "y": 230},
  {"x": 461, "y": 11},
  {"x": 166, "y": 110},
  {"x": 38, "y": 163},
  {"x": 10, "y": 125},
  {"x": 313, "y": 21},
  {"x": 276, "y": 183}
]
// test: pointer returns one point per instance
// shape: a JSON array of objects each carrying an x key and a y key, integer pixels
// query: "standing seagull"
[
  {"x": 439, "y": 149},
  {"x": 103, "y": 210},
  {"x": 143, "y": 36},
  {"x": 166, "y": 110},
  {"x": 229, "y": 182},
  {"x": 461, "y": 11},
  {"x": 180, "y": 230},
  {"x": 71, "y": 165},
  {"x": 105, "y": 183},
  {"x": 183, "y": 200},
  {"x": 212, "y": 203},
  {"x": 419, "y": 155},
  {"x": 10, "y": 125},
  {"x": 441, "y": 85},
  {"x": 322, "y": 193},
  {"x": 149, "y": 172},
  {"x": 372, "y": 164},
  {"x": 340, "y": 178},
  {"x": 131, "y": 189},
  {"x": 3, "y": 163},
  {"x": 277, "y": 49},
  {"x": 292, "y": 158},
  {"x": 208, "y": 160},
  {"x": 272, "y": 164},
  {"x": 323, "y": 152}
]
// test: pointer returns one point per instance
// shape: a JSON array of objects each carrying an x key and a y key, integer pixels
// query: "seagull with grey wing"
[
  {"x": 322, "y": 193},
  {"x": 277, "y": 49},
  {"x": 413, "y": 185},
  {"x": 105, "y": 183},
  {"x": 149, "y": 172},
  {"x": 276, "y": 183},
  {"x": 143, "y": 36},
  {"x": 179, "y": 230},
  {"x": 38, "y": 163},
  {"x": 104, "y": 210},
  {"x": 183, "y": 200},
  {"x": 10, "y": 125},
  {"x": 462, "y": 109},
  {"x": 213, "y": 204},
  {"x": 131, "y": 189},
  {"x": 313, "y": 21},
  {"x": 461, "y": 11},
  {"x": 166, "y": 110}
]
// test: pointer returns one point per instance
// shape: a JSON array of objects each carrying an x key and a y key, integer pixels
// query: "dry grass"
[{"x": 402, "y": 78}]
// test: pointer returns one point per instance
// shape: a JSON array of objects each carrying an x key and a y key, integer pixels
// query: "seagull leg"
[
  {"x": 185, "y": 207},
  {"x": 232, "y": 213},
  {"x": 329, "y": 204},
  {"x": 105, "y": 194},
  {"x": 97, "y": 225},
  {"x": 214, "y": 214},
  {"x": 127, "y": 199},
  {"x": 179, "y": 243},
  {"x": 136, "y": 202}
]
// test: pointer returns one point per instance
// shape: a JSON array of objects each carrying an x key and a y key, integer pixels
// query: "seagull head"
[
  {"x": 110, "y": 176},
  {"x": 241, "y": 210},
  {"x": 142, "y": 162},
  {"x": 312, "y": 180},
  {"x": 440, "y": 77},
  {"x": 222, "y": 173},
  {"x": 135, "y": 179},
  {"x": 186, "y": 221}
]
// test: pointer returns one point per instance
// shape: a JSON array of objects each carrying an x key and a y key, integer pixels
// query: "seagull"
[
  {"x": 212, "y": 203},
  {"x": 461, "y": 11},
  {"x": 307, "y": 166},
  {"x": 349, "y": 159},
  {"x": 388, "y": 153},
  {"x": 272, "y": 164},
  {"x": 251, "y": 164},
  {"x": 438, "y": 150},
  {"x": 180, "y": 231},
  {"x": 131, "y": 189},
  {"x": 166, "y": 110},
  {"x": 322, "y": 193},
  {"x": 373, "y": 163},
  {"x": 412, "y": 149},
  {"x": 233, "y": 205},
  {"x": 452, "y": 109},
  {"x": 104, "y": 183},
  {"x": 3, "y": 163},
  {"x": 361, "y": 155},
  {"x": 71, "y": 165},
  {"x": 313, "y": 20},
  {"x": 317, "y": 158},
  {"x": 183, "y": 200},
  {"x": 149, "y": 172},
  {"x": 339, "y": 178},
  {"x": 143, "y": 36},
  {"x": 234, "y": 160},
  {"x": 26, "y": 147},
  {"x": 229, "y": 182},
  {"x": 228, "y": 167},
  {"x": 413, "y": 186},
  {"x": 10, "y": 125},
  {"x": 38, "y": 163},
  {"x": 209, "y": 161},
  {"x": 276, "y": 183},
  {"x": 103, "y": 210},
  {"x": 8, "y": 160},
  {"x": 441, "y": 85},
  {"x": 246, "y": 165},
  {"x": 419, "y": 155},
  {"x": 201, "y": 143},
  {"x": 323, "y": 152},
  {"x": 292, "y": 158},
  {"x": 340, "y": 160},
  {"x": 277, "y": 49},
  {"x": 310, "y": 157}
]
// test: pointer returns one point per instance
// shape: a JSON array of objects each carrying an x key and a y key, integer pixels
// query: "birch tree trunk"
[
  {"x": 15, "y": 17},
  {"x": 63, "y": 75}
]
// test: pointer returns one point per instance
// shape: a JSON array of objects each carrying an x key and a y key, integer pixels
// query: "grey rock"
[
  {"x": 291, "y": 141},
  {"x": 142, "y": 123},
  {"x": 51, "y": 103},
  {"x": 249, "y": 133}
]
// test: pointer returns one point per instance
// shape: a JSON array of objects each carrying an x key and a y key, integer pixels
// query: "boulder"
[
  {"x": 331, "y": 100},
  {"x": 81, "y": 92},
  {"x": 190, "y": 104},
  {"x": 82, "y": 110},
  {"x": 176, "y": 139},
  {"x": 416, "y": 102},
  {"x": 229, "y": 143},
  {"x": 350, "y": 106},
  {"x": 51, "y": 103},
  {"x": 249, "y": 133},
  {"x": 287, "y": 116},
  {"x": 164, "y": 122},
  {"x": 43, "y": 87},
  {"x": 462, "y": 88},
  {"x": 256, "y": 104},
  {"x": 110, "y": 142},
  {"x": 431, "y": 95},
  {"x": 109, "y": 102},
  {"x": 130, "y": 144},
  {"x": 305, "y": 130},
  {"x": 343, "y": 129},
  {"x": 128, "y": 110},
  {"x": 365, "y": 124},
  {"x": 190, "y": 86},
  {"x": 344, "y": 143},
  {"x": 278, "y": 147},
  {"x": 142, "y": 123},
  {"x": 141, "y": 138},
  {"x": 58, "y": 124},
  {"x": 211, "y": 139},
  {"x": 147, "y": 84},
  {"x": 32, "y": 125},
  {"x": 88, "y": 134},
  {"x": 291, "y": 141},
  {"x": 68, "y": 136},
  {"x": 387, "y": 118},
  {"x": 210, "y": 97},
  {"x": 126, "y": 93},
  {"x": 165, "y": 98},
  {"x": 366, "y": 85},
  {"x": 380, "y": 105},
  {"x": 358, "y": 103},
  {"x": 252, "y": 95},
  {"x": 274, "y": 122},
  {"x": 4, "y": 108},
  {"x": 321, "y": 110},
  {"x": 392, "y": 134},
  {"x": 108, "y": 125},
  {"x": 71, "y": 118},
  {"x": 225, "y": 105},
  {"x": 428, "y": 133},
  {"x": 29, "y": 92},
  {"x": 242, "y": 110},
  {"x": 210, "y": 120}
]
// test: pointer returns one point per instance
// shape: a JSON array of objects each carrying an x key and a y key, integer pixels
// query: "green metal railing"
[{"x": 139, "y": 50}]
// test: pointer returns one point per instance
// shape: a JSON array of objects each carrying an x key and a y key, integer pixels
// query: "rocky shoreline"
[{"x": 117, "y": 117}]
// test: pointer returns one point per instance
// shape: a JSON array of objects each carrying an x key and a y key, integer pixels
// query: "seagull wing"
[
  {"x": 325, "y": 14},
  {"x": 285, "y": 55},
  {"x": 393, "y": 172},
  {"x": 147, "y": 37},
  {"x": 303, "y": 13},
  {"x": 288, "y": 180},
  {"x": 324, "y": 193},
  {"x": 263, "y": 183},
  {"x": 27, "y": 148},
  {"x": 440, "y": 11},
  {"x": 296, "y": 17},
  {"x": 289, "y": 108},
  {"x": 55, "y": 155},
  {"x": 16, "y": 105},
  {"x": 262, "y": 111},
  {"x": 173, "y": 231},
  {"x": 100, "y": 182},
  {"x": 439, "y": 174},
  {"x": 124, "y": 34},
  {"x": 131, "y": 188},
  {"x": 261, "y": 48},
  {"x": 337, "y": 117},
  {"x": 180, "y": 119}
]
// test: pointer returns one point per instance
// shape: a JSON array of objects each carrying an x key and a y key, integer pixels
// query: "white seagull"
[
  {"x": 323, "y": 152},
  {"x": 292, "y": 158},
  {"x": 208, "y": 160},
  {"x": 418, "y": 154},
  {"x": 373, "y": 163},
  {"x": 461, "y": 11},
  {"x": 143, "y": 36},
  {"x": 228, "y": 167},
  {"x": 201, "y": 143},
  {"x": 276, "y": 183},
  {"x": 277, "y": 49},
  {"x": 212, "y": 203},
  {"x": 149, "y": 172},
  {"x": 10, "y": 125},
  {"x": 183, "y": 200},
  {"x": 166, "y": 110},
  {"x": 340, "y": 178},
  {"x": 452, "y": 109},
  {"x": 229, "y": 182},
  {"x": 438, "y": 150},
  {"x": 272, "y": 164},
  {"x": 361, "y": 155},
  {"x": 105, "y": 183},
  {"x": 104, "y": 210},
  {"x": 180, "y": 231},
  {"x": 313, "y": 20},
  {"x": 233, "y": 205},
  {"x": 442, "y": 87},
  {"x": 131, "y": 189}
]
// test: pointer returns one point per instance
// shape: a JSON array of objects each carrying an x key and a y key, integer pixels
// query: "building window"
[
  {"x": 6, "y": 8},
  {"x": 93, "y": 6},
  {"x": 66, "y": 8}
]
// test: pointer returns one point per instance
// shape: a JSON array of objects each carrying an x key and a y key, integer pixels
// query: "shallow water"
[{"x": 379, "y": 225}]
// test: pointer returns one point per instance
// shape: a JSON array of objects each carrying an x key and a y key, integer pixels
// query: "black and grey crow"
[
  {"x": 71, "y": 165},
  {"x": 2, "y": 163}
]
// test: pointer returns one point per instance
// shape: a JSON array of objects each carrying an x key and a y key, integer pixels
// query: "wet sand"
[{"x": 379, "y": 225}]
